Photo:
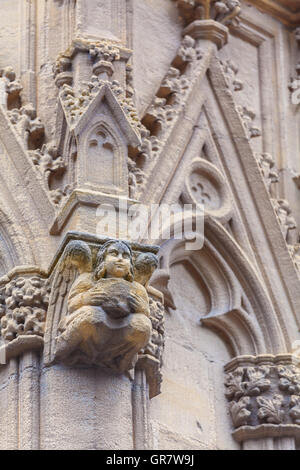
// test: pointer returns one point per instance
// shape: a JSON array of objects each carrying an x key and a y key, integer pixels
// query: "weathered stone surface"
[{"x": 113, "y": 344}]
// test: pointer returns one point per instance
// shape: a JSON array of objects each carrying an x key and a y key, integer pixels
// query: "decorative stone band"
[
  {"x": 244, "y": 433},
  {"x": 264, "y": 396},
  {"x": 24, "y": 297}
]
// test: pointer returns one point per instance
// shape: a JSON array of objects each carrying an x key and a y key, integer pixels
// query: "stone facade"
[{"x": 110, "y": 341}]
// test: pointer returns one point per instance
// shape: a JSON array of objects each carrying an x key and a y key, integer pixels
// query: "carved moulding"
[
  {"x": 206, "y": 185},
  {"x": 264, "y": 396},
  {"x": 23, "y": 306},
  {"x": 99, "y": 309},
  {"x": 101, "y": 124},
  {"x": 202, "y": 36}
]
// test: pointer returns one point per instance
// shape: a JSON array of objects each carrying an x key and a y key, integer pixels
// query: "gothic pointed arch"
[{"x": 240, "y": 309}]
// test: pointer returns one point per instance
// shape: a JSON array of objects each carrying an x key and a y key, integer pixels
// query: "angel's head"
[
  {"x": 114, "y": 259},
  {"x": 144, "y": 266}
]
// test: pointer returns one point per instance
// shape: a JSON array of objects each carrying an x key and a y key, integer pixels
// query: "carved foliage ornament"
[
  {"x": 222, "y": 11},
  {"x": 286, "y": 220},
  {"x": 24, "y": 302},
  {"x": 248, "y": 116},
  {"x": 265, "y": 393}
]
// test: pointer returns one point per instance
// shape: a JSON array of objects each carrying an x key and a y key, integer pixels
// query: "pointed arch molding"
[
  {"x": 267, "y": 247},
  {"x": 250, "y": 327},
  {"x": 25, "y": 204}
]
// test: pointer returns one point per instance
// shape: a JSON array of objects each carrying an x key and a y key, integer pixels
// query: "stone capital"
[
  {"x": 264, "y": 396},
  {"x": 209, "y": 30}
]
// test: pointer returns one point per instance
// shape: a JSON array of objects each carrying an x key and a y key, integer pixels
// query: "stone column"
[
  {"x": 264, "y": 401},
  {"x": 24, "y": 301}
]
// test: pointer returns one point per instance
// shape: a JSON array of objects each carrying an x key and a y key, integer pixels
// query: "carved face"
[{"x": 117, "y": 261}]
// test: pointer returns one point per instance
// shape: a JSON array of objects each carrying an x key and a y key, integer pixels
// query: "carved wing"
[{"x": 76, "y": 259}]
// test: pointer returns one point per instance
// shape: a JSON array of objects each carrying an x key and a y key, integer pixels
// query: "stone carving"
[
  {"x": 24, "y": 303},
  {"x": 59, "y": 196},
  {"x": 28, "y": 126},
  {"x": 103, "y": 54},
  {"x": 268, "y": 168},
  {"x": 76, "y": 104},
  {"x": 144, "y": 266},
  {"x": 174, "y": 83},
  {"x": 247, "y": 117},
  {"x": 136, "y": 177},
  {"x": 294, "y": 85},
  {"x": 230, "y": 71},
  {"x": 295, "y": 409},
  {"x": 294, "y": 251},
  {"x": 247, "y": 382},
  {"x": 108, "y": 316},
  {"x": 10, "y": 88},
  {"x": 206, "y": 187},
  {"x": 223, "y": 12},
  {"x": 240, "y": 411},
  {"x": 263, "y": 389},
  {"x": 289, "y": 379},
  {"x": 286, "y": 220},
  {"x": 269, "y": 409},
  {"x": 258, "y": 381},
  {"x": 129, "y": 81},
  {"x": 48, "y": 162},
  {"x": 187, "y": 53},
  {"x": 62, "y": 70},
  {"x": 234, "y": 385},
  {"x": 156, "y": 344},
  {"x": 168, "y": 102},
  {"x": 160, "y": 114}
]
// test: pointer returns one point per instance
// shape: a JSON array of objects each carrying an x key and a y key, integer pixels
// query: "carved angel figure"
[{"x": 107, "y": 321}]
